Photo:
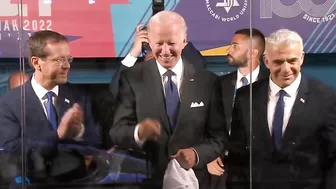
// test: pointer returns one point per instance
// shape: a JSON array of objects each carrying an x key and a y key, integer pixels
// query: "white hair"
[
  {"x": 167, "y": 17},
  {"x": 284, "y": 37}
]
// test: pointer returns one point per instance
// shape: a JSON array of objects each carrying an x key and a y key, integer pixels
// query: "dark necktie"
[
  {"x": 172, "y": 99},
  {"x": 244, "y": 81},
  {"x": 51, "y": 111},
  {"x": 278, "y": 119}
]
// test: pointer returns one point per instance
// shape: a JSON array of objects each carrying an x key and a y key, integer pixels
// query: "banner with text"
[{"x": 106, "y": 28}]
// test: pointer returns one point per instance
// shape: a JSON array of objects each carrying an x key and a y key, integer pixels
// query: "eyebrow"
[{"x": 292, "y": 59}]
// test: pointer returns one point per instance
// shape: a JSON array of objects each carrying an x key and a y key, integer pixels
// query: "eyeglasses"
[{"x": 61, "y": 61}]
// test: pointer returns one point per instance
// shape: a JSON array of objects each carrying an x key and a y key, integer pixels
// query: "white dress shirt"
[
  {"x": 129, "y": 60},
  {"x": 255, "y": 74},
  {"x": 41, "y": 93},
  {"x": 289, "y": 99}
]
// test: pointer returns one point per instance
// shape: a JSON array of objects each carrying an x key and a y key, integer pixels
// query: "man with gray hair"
[
  {"x": 293, "y": 139},
  {"x": 169, "y": 107}
]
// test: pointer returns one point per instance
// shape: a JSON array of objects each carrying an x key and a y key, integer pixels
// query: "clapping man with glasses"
[{"x": 55, "y": 110}]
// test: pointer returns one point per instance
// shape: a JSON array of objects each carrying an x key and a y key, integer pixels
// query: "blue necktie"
[
  {"x": 244, "y": 81},
  {"x": 172, "y": 99},
  {"x": 278, "y": 119},
  {"x": 51, "y": 111}
]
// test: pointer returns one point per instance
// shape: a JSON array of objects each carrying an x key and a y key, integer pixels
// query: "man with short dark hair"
[
  {"x": 245, "y": 58},
  {"x": 55, "y": 110}
]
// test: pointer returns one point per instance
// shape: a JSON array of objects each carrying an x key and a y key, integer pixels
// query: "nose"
[
  {"x": 286, "y": 67},
  {"x": 66, "y": 64},
  {"x": 165, "y": 48},
  {"x": 230, "y": 50}
]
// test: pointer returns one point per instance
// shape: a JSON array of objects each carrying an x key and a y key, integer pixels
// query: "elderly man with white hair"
[
  {"x": 293, "y": 133},
  {"x": 169, "y": 107}
]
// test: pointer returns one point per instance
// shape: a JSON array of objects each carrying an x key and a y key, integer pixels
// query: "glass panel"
[
  {"x": 66, "y": 116},
  {"x": 12, "y": 95},
  {"x": 292, "y": 134}
]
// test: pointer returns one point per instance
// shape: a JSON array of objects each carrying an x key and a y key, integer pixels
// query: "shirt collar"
[
  {"x": 177, "y": 69},
  {"x": 41, "y": 91},
  {"x": 291, "y": 90},
  {"x": 255, "y": 74}
]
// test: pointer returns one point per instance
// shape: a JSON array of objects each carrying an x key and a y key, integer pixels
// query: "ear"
[
  {"x": 266, "y": 62},
  {"x": 255, "y": 53},
  {"x": 35, "y": 62},
  {"x": 185, "y": 41},
  {"x": 302, "y": 57}
]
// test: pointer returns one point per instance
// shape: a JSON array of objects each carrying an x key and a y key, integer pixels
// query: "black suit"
[
  {"x": 203, "y": 128},
  {"x": 41, "y": 138},
  {"x": 306, "y": 158},
  {"x": 228, "y": 83},
  {"x": 189, "y": 53}
]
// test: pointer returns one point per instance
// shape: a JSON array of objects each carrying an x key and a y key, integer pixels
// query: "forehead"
[
  {"x": 58, "y": 49},
  {"x": 239, "y": 38},
  {"x": 165, "y": 31},
  {"x": 284, "y": 51}
]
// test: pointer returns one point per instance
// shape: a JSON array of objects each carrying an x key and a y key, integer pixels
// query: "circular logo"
[{"x": 226, "y": 10}]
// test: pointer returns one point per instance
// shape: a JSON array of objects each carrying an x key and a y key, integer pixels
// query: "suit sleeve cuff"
[
  {"x": 129, "y": 60},
  {"x": 79, "y": 136},
  {"x": 197, "y": 157},
  {"x": 136, "y": 136}
]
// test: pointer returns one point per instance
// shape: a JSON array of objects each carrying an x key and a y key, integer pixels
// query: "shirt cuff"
[
  {"x": 79, "y": 136},
  {"x": 129, "y": 60},
  {"x": 197, "y": 157},
  {"x": 136, "y": 136}
]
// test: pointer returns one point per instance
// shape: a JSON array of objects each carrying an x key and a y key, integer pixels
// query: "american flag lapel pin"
[
  {"x": 302, "y": 100},
  {"x": 66, "y": 100}
]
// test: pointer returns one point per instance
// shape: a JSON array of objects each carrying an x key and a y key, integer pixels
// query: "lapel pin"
[
  {"x": 191, "y": 80},
  {"x": 66, "y": 100},
  {"x": 302, "y": 100}
]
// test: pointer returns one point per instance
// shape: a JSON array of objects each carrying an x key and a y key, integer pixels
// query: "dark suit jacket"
[
  {"x": 203, "y": 128},
  {"x": 40, "y": 136},
  {"x": 306, "y": 158},
  {"x": 228, "y": 83},
  {"x": 189, "y": 53}
]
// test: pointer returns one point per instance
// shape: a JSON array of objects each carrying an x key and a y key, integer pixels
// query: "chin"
[{"x": 62, "y": 81}]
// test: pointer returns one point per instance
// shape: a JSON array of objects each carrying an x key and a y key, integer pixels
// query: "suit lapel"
[
  {"x": 63, "y": 101},
  {"x": 260, "y": 122},
  {"x": 154, "y": 87},
  {"x": 228, "y": 95},
  {"x": 187, "y": 91},
  {"x": 231, "y": 91},
  {"x": 301, "y": 100},
  {"x": 34, "y": 108},
  {"x": 263, "y": 74}
]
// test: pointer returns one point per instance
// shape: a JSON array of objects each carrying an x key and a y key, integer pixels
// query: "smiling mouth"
[
  {"x": 287, "y": 76},
  {"x": 165, "y": 57}
]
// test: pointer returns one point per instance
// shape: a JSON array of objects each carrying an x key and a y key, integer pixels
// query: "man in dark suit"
[
  {"x": 238, "y": 55},
  {"x": 293, "y": 131},
  {"x": 169, "y": 107},
  {"x": 189, "y": 53},
  {"x": 55, "y": 111}
]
